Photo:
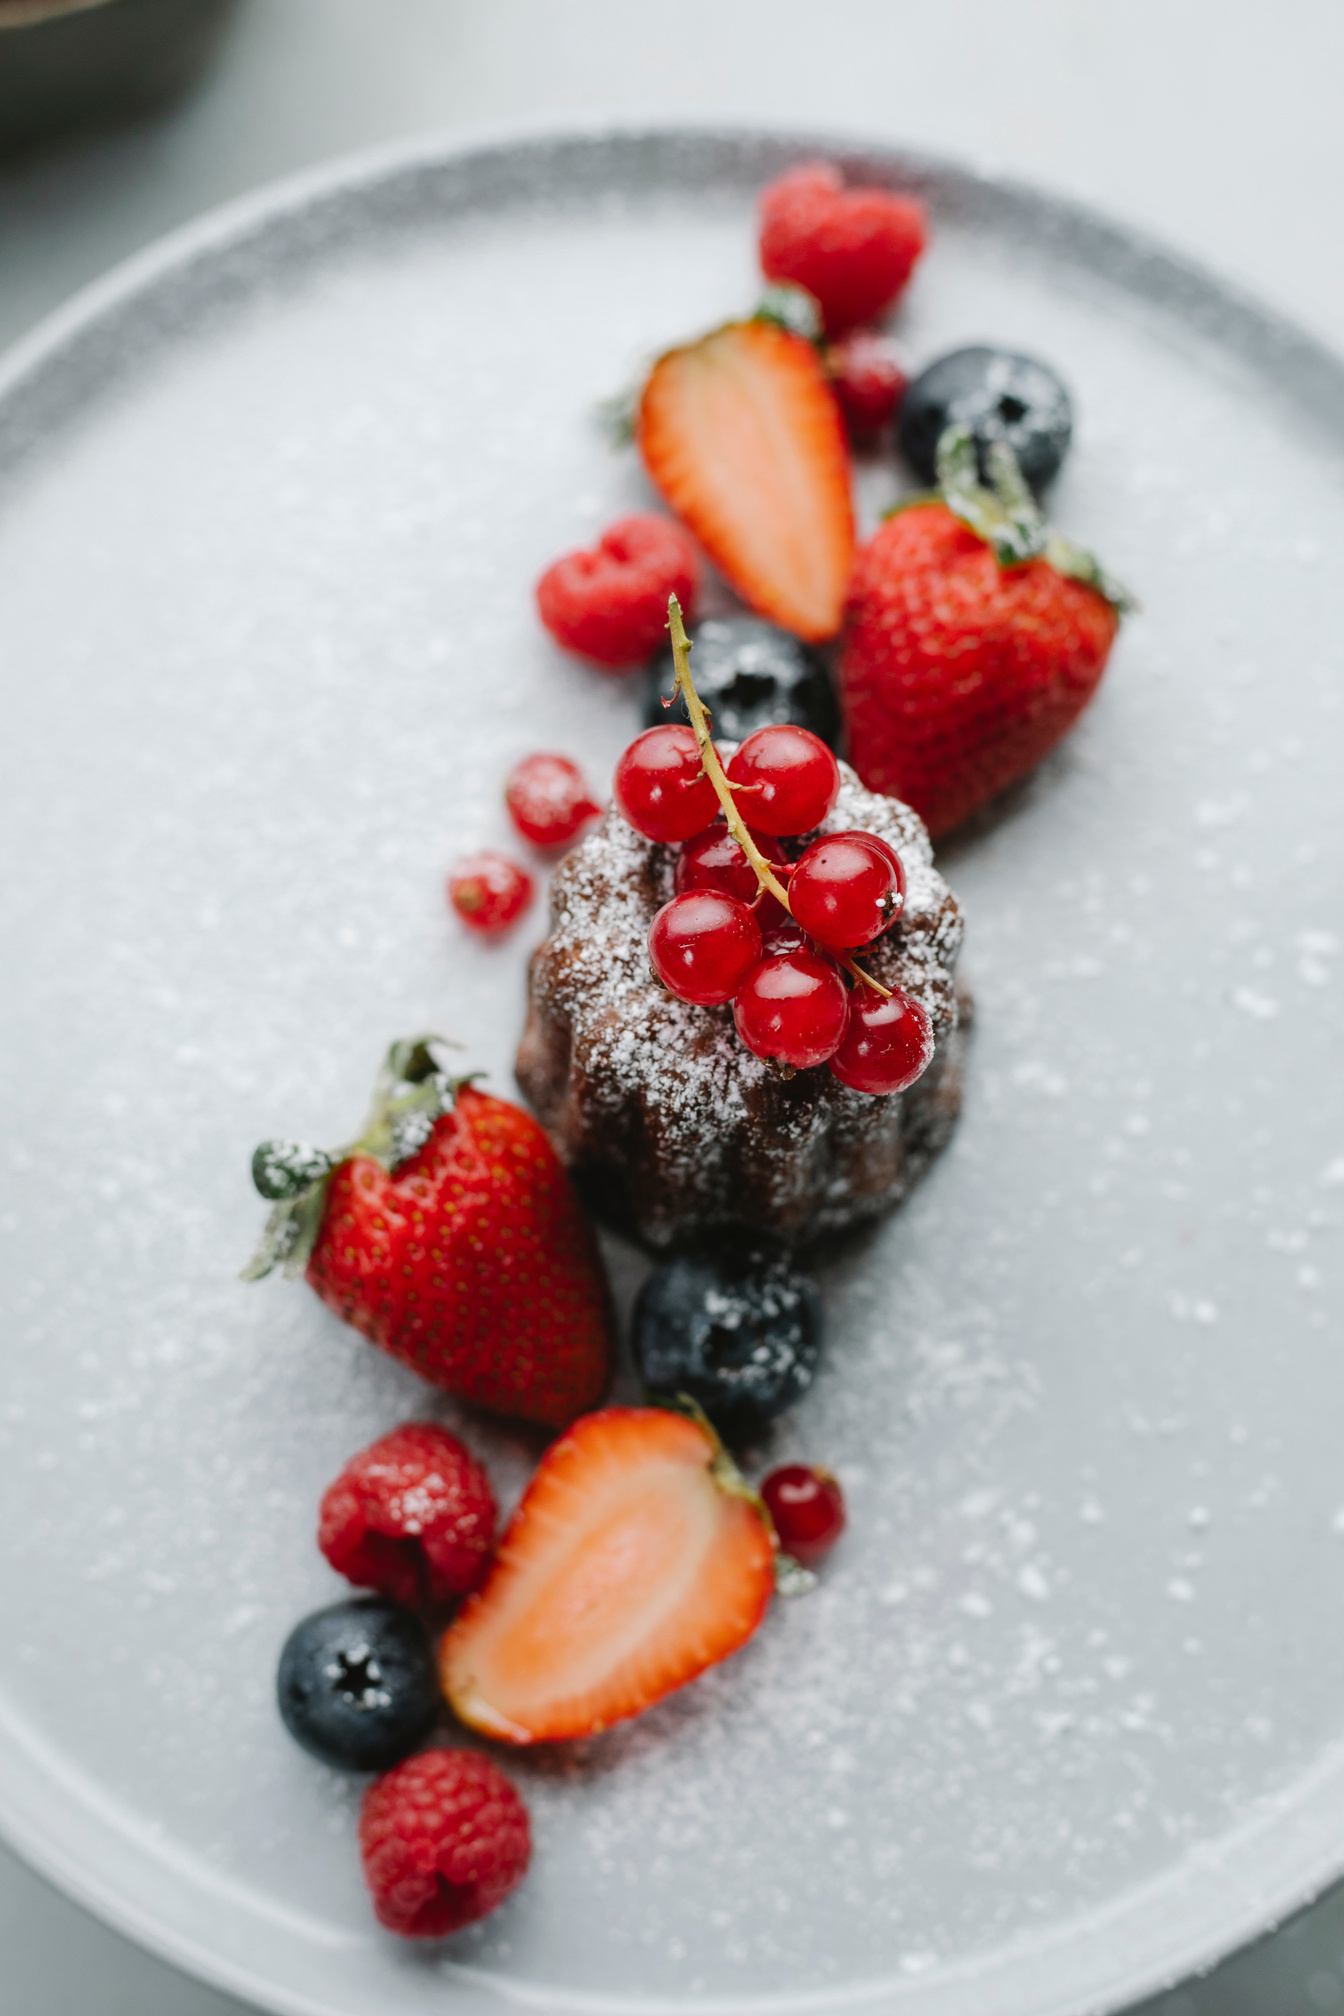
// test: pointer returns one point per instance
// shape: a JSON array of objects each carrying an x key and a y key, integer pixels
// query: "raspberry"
[
  {"x": 444, "y": 1839},
  {"x": 412, "y": 1515},
  {"x": 489, "y": 892},
  {"x": 610, "y": 604},
  {"x": 853, "y": 249}
]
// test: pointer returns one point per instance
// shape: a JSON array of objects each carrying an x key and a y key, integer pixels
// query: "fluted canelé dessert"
[{"x": 671, "y": 1127}]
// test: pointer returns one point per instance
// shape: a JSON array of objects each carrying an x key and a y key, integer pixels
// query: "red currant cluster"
[{"x": 735, "y": 932}]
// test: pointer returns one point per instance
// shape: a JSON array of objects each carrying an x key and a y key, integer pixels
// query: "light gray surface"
[{"x": 1256, "y": 222}]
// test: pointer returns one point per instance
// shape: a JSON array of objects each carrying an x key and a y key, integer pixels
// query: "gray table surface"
[{"x": 1211, "y": 122}]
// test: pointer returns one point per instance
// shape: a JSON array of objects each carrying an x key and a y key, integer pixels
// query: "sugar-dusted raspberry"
[
  {"x": 444, "y": 1839},
  {"x": 609, "y": 603},
  {"x": 489, "y": 892},
  {"x": 853, "y": 249},
  {"x": 412, "y": 1515}
]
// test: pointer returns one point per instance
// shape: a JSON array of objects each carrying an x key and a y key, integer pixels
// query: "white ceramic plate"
[{"x": 1067, "y": 1715}]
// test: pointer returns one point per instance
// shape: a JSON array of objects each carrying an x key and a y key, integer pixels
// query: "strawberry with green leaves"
[
  {"x": 975, "y": 636},
  {"x": 449, "y": 1235}
]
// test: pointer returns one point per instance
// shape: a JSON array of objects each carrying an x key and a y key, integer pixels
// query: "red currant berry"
[
  {"x": 866, "y": 376},
  {"x": 488, "y": 891},
  {"x": 548, "y": 800},
  {"x": 807, "y": 1507},
  {"x": 783, "y": 936},
  {"x": 714, "y": 860},
  {"x": 885, "y": 847},
  {"x": 703, "y": 945},
  {"x": 793, "y": 1008},
  {"x": 888, "y": 1044},
  {"x": 661, "y": 786},
  {"x": 844, "y": 891},
  {"x": 789, "y": 779}
]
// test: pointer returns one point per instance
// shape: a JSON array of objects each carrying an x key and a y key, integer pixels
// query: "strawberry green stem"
[
  {"x": 766, "y": 878},
  {"x": 410, "y": 1094}
]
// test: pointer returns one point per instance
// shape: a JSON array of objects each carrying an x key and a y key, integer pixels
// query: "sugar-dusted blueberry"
[
  {"x": 737, "y": 1330},
  {"x": 1000, "y": 397},
  {"x": 750, "y": 675},
  {"x": 357, "y": 1686}
]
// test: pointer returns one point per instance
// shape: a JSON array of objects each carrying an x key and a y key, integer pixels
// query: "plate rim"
[{"x": 1310, "y": 376}]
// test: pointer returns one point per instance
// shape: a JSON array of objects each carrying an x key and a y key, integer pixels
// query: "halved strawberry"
[
  {"x": 742, "y": 435},
  {"x": 634, "y": 1561}
]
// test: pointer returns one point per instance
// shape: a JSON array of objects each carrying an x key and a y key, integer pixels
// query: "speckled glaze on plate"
[{"x": 1066, "y": 1717}]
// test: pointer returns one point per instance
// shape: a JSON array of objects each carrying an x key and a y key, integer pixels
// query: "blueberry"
[
  {"x": 749, "y": 675},
  {"x": 740, "y": 1332},
  {"x": 357, "y": 1684},
  {"x": 1001, "y": 397}
]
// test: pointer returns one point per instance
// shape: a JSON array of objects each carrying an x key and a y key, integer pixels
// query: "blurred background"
[{"x": 1212, "y": 123}]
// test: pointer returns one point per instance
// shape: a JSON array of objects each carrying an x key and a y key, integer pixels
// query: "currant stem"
[
  {"x": 709, "y": 755},
  {"x": 713, "y": 769}
]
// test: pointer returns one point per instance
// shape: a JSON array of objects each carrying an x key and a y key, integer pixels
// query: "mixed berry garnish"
[
  {"x": 749, "y": 924},
  {"x": 449, "y": 1233}
]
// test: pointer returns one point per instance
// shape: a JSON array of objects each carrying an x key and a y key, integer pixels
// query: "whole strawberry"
[
  {"x": 974, "y": 638},
  {"x": 449, "y": 1235}
]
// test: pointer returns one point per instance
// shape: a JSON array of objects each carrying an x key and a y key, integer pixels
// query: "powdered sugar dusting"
[{"x": 673, "y": 1124}]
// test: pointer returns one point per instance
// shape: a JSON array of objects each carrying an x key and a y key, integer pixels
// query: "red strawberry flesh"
[
  {"x": 742, "y": 435},
  {"x": 626, "y": 1571}
]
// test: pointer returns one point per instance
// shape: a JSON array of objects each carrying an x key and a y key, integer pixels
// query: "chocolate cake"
[{"x": 670, "y": 1126}]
